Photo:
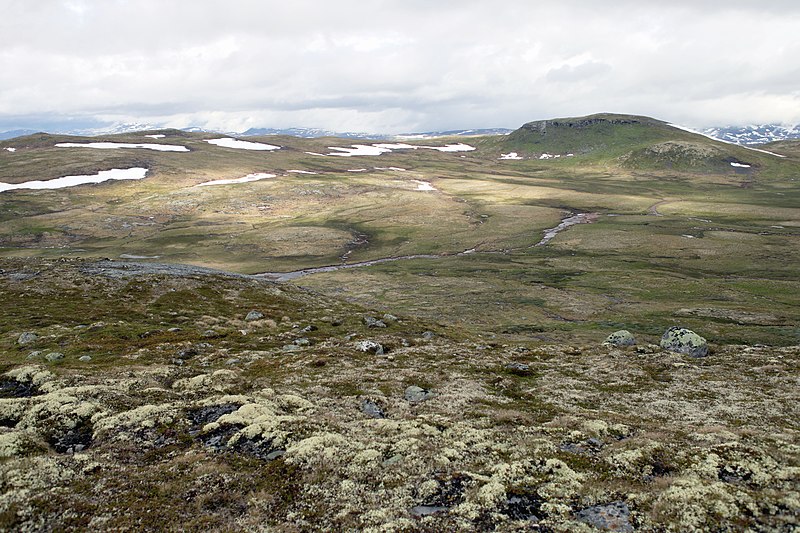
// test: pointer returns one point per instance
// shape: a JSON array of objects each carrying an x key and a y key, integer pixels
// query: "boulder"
[
  {"x": 622, "y": 337},
  {"x": 614, "y": 516},
  {"x": 372, "y": 322},
  {"x": 414, "y": 394},
  {"x": 521, "y": 369},
  {"x": 254, "y": 315},
  {"x": 54, "y": 356},
  {"x": 27, "y": 338},
  {"x": 370, "y": 346},
  {"x": 685, "y": 341},
  {"x": 372, "y": 409}
]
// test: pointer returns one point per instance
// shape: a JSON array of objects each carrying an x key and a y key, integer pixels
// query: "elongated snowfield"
[
  {"x": 227, "y": 142},
  {"x": 244, "y": 179},
  {"x": 114, "y": 146},
  {"x": 383, "y": 148},
  {"x": 135, "y": 173}
]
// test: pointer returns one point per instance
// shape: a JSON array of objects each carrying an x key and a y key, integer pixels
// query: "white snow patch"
[
  {"x": 315, "y": 153},
  {"x": 301, "y": 171},
  {"x": 132, "y": 256},
  {"x": 739, "y": 165},
  {"x": 459, "y": 147},
  {"x": 9, "y": 149},
  {"x": 358, "y": 149},
  {"x": 154, "y": 136},
  {"x": 396, "y": 146},
  {"x": 510, "y": 155},
  {"x": 424, "y": 185},
  {"x": 689, "y": 236},
  {"x": 546, "y": 156},
  {"x": 396, "y": 169},
  {"x": 227, "y": 142},
  {"x": 135, "y": 173},
  {"x": 357, "y": 170},
  {"x": 382, "y": 148},
  {"x": 244, "y": 179},
  {"x": 113, "y": 146}
]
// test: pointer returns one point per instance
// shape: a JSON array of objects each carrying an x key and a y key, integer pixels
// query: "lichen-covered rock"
[
  {"x": 414, "y": 394},
  {"x": 372, "y": 409},
  {"x": 27, "y": 337},
  {"x": 685, "y": 341},
  {"x": 370, "y": 346},
  {"x": 611, "y": 517},
  {"x": 254, "y": 315},
  {"x": 622, "y": 337},
  {"x": 372, "y": 322},
  {"x": 54, "y": 356}
]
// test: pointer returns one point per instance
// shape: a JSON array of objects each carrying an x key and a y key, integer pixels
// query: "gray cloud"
[{"x": 396, "y": 66}]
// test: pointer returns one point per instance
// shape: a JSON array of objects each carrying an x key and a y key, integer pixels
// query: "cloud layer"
[{"x": 396, "y": 66}]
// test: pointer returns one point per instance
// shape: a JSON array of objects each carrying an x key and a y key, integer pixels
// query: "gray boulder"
[
  {"x": 372, "y": 322},
  {"x": 685, "y": 341},
  {"x": 85, "y": 358},
  {"x": 27, "y": 338},
  {"x": 372, "y": 409},
  {"x": 370, "y": 346},
  {"x": 622, "y": 337},
  {"x": 54, "y": 356},
  {"x": 614, "y": 516},
  {"x": 414, "y": 394},
  {"x": 254, "y": 315}
]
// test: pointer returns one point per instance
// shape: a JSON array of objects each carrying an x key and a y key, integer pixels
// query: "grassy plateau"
[{"x": 137, "y": 394}]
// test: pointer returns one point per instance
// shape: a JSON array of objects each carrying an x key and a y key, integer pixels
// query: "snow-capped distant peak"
[{"x": 754, "y": 133}]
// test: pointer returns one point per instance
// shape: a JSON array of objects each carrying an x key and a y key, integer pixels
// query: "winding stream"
[
  {"x": 571, "y": 220},
  {"x": 580, "y": 218}
]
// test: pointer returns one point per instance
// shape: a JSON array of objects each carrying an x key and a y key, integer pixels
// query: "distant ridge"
[{"x": 754, "y": 134}]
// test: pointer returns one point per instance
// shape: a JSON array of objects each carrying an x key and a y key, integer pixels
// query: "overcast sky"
[{"x": 395, "y": 66}]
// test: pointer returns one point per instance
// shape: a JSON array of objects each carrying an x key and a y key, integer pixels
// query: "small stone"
[
  {"x": 253, "y": 315},
  {"x": 622, "y": 337},
  {"x": 85, "y": 358},
  {"x": 336, "y": 322},
  {"x": 426, "y": 510},
  {"x": 210, "y": 334},
  {"x": 414, "y": 394},
  {"x": 370, "y": 346},
  {"x": 372, "y": 409},
  {"x": 302, "y": 341},
  {"x": 309, "y": 328},
  {"x": 275, "y": 455},
  {"x": 372, "y": 322},
  {"x": 520, "y": 369},
  {"x": 187, "y": 353},
  {"x": 614, "y": 516},
  {"x": 54, "y": 356},
  {"x": 27, "y": 337},
  {"x": 291, "y": 348},
  {"x": 392, "y": 460},
  {"x": 174, "y": 330},
  {"x": 685, "y": 341},
  {"x": 428, "y": 335},
  {"x": 389, "y": 318},
  {"x": 34, "y": 354}
]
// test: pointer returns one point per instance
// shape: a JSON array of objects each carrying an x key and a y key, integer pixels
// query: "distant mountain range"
[{"x": 753, "y": 134}]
